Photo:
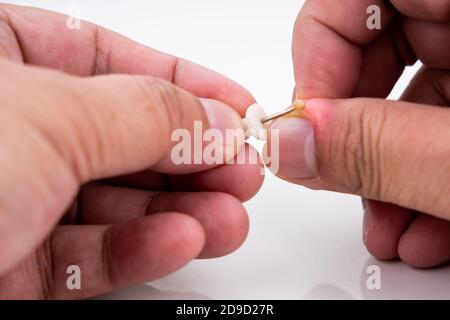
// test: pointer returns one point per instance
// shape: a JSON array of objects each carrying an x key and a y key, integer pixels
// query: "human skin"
[
  {"x": 395, "y": 154},
  {"x": 86, "y": 118}
]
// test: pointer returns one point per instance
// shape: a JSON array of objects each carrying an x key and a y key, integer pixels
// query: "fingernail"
[
  {"x": 297, "y": 155},
  {"x": 221, "y": 116},
  {"x": 224, "y": 118}
]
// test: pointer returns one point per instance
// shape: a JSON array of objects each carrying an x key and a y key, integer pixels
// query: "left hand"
[{"x": 86, "y": 177}]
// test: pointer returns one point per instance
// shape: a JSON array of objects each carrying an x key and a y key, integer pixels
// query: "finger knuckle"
[
  {"x": 165, "y": 101},
  {"x": 360, "y": 138}
]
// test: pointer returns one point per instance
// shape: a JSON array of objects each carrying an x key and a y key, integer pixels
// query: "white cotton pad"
[{"x": 252, "y": 122}]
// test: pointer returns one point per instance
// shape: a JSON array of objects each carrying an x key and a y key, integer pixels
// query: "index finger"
[{"x": 42, "y": 38}]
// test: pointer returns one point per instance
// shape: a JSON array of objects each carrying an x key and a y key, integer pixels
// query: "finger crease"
[
  {"x": 46, "y": 268},
  {"x": 4, "y": 17},
  {"x": 107, "y": 258},
  {"x": 147, "y": 204},
  {"x": 174, "y": 70}
]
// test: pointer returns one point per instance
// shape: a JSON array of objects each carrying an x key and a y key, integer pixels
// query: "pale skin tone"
[{"x": 86, "y": 176}]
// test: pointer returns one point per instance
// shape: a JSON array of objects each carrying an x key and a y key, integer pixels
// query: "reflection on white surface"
[
  {"x": 398, "y": 282},
  {"x": 328, "y": 292},
  {"x": 402, "y": 282},
  {"x": 147, "y": 292},
  {"x": 301, "y": 252}
]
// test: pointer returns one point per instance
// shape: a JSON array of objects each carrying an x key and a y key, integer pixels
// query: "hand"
[
  {"x": 397, "y": 154},
  {"x": 144, "y": 216}
]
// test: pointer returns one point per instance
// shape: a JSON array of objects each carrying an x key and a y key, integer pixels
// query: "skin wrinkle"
[
  {"x": 353, "y": 153},
  {"x": 107, "y": 261},
  {"x": 102, "y": 54},
  {"x": 98, "y": 54},
  {"x": 5, "y": 21},
  {"x": 174, "y": 70},
  {"x": 377, "y": 175},
  {"x": 385, "y": 168},
  {"x": 393, "y": 189},
  {"x": 427, "y": 148},
  {"x": 358, "y": 146},
  {"x": 364, "y": 167},
  {"x": 165, "y": 116},
  {"x": 168, "y": 97},
  {"x": 82, "y": 162},
  {"x": 100, "y": 131},
  {"x": 44, "y": 259},
  {"x": 96, "y": 124},
  {"x": 318, "y": 21},
  {"x": 148, "y": 203}
]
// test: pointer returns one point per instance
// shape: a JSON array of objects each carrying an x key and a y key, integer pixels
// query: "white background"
[{"x": 302, "y": 244}]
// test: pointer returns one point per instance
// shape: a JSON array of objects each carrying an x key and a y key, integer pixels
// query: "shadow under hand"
[{"x": 147, "y": 292}]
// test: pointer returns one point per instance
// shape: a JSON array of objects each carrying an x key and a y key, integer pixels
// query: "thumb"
[
  {"x": 396, "y": 152},
  {"x": 126, "y": 124},
  {"x": 68, "y": 130}
]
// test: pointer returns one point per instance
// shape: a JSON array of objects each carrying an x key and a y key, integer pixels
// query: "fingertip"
[
  {"x": 248, "y": 176},
  {"x": 154, "y": 246},
  {"x": 222, "y": 217},
  {"x": 211, "y": 141},
  {"x": 191, "y": 236},
  {"x": 227, "y": 229},
  {"x": 385, "y": 223},
  {"x": 242, "y": 179},
  {"x": 425, "y": 243}
]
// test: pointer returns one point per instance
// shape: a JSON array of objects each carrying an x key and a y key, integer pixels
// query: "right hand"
[{"x": 397, "y": 154}]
